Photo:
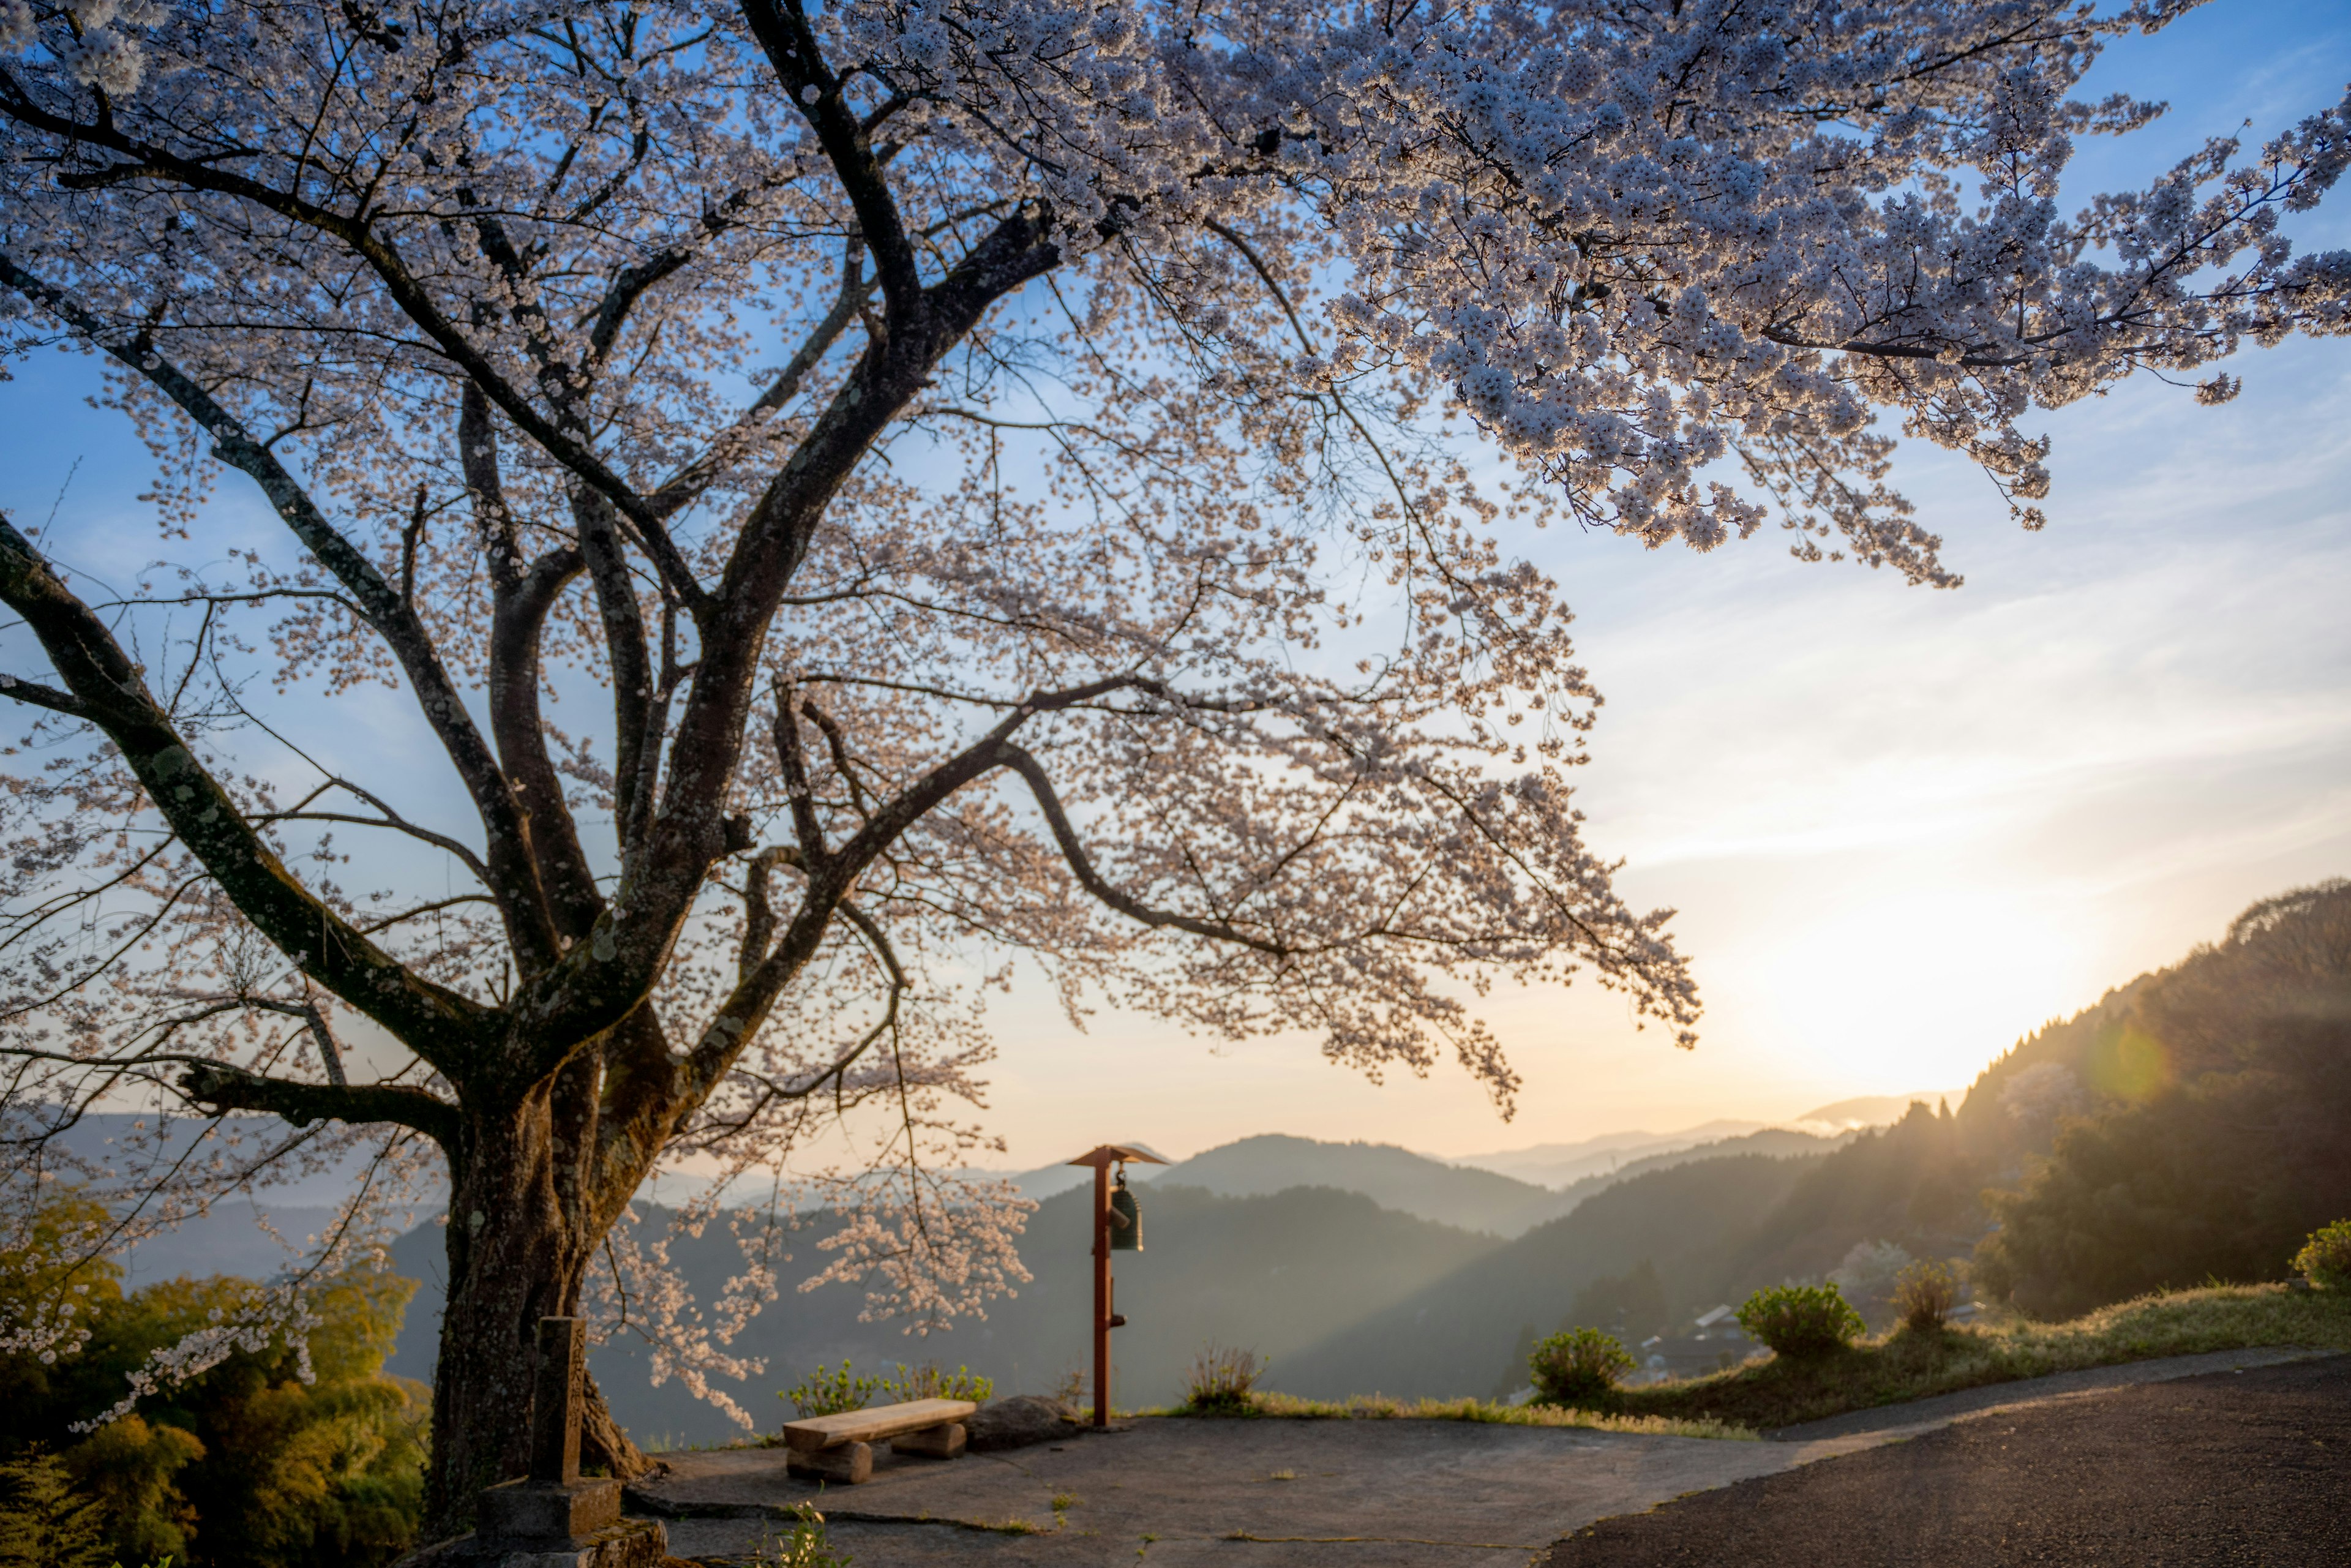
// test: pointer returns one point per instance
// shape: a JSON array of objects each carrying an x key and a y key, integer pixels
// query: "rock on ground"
[{"x": 1016, "y": 1422}]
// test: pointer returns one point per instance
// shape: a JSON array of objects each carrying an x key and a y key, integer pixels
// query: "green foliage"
[
  {"x": 261, "y": 1460},
  {"x": 2326, "y": 1259},
  {"x": 1221, "y": 1381},
  {"x": 45, "y": 1522},
  {"x": 1631, "y": 1305},
  {"x": 823, "y": 1393},
  {"x": 1800, "y": 1321},
  {"x": 809, "y": 1544},
  {"x": 133, "y": 1467},
  {"x": 2216, "y": 1143},
  {"x": 1924, "y": 1294},
  {"x": 1579, "y": 1367},
  {"x": 2219, "y": 1178},
  {"x": 928, "y": 1382}
]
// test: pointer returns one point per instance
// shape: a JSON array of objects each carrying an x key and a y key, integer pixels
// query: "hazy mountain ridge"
[
  {"x": 1391, "y": 1176},
  {"x": 1274, "y": 1274},
  {"x": 1457, "y": 1335}
]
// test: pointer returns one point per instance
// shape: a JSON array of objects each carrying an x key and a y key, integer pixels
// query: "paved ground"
[
  {"x": 2251, "y": 1468},
  {"x": 1279, "y": 1494}
]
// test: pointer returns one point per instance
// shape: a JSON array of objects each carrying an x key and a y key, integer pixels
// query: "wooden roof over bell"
[{"x": 1112, "y": 1153}]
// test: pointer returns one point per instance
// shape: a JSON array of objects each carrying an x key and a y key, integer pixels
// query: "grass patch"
[
  {"x": 1906, "y": 1365},
  {"x": 1380, "y": 1408}
]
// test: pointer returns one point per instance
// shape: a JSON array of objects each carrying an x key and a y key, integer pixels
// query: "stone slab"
[
  {"x": 548, "y": 1511},
  {"x": 630, "y": 1543}
]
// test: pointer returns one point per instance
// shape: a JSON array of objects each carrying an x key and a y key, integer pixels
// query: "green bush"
[
  {"x": 1801, "y": 1320},
  {"x": 1220, "y": 1381},
  {"x": 928, "y": 1382},
  {"x": 823, "y": 1393},
  {"x": 2326, "y": 1259},
  {"x": 268, "y": 1459},
  {"x": 1924, "y": 1294},
  {"x": 1579, "y": 1367}
]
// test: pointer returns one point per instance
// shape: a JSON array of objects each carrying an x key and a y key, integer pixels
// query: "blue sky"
[{"x": 1902, "y": 826}]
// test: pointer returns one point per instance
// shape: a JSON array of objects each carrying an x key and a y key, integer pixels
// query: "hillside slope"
[{"x": 1459, "y": 1334}]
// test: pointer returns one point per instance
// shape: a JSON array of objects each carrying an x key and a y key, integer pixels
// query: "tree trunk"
[{"x": 519, "y": 1250}]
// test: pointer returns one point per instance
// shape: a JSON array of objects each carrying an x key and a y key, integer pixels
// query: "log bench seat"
[{"x": 840, "y": 1448}]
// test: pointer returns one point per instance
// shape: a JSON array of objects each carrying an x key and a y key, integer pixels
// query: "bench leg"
[
  {"x": 941, "y": 1442},
  {"x": 850, "y": 1464}
]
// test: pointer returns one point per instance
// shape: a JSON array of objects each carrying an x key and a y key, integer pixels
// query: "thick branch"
[
  {"x": 784, "y": 32},
  {"x": 516, "y": 622},
  {"x": 1041, "y": 785},
  {"x": 218, "y": 1088},
  {"x": 437, "y": 1023},
  {"x": 512, "y": 877},
  {"x": 600, "y": 981}
]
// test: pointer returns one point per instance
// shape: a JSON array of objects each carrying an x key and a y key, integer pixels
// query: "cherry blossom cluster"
[{"x": 1015, "y": 482}]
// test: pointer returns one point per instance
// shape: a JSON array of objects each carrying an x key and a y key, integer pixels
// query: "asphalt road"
[{"x": 2247, "y": 1469}]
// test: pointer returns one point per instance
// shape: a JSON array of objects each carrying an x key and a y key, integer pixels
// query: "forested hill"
[{"x": 1459, "y": 1334}]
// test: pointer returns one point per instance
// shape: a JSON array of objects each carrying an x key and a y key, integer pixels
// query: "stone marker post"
[
  {"x": 555, "y": 1401},
  {"x": 553, "y": 1518}
]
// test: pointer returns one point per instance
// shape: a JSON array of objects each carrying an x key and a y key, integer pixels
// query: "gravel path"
[
  {"x": 2235, "y": 1468},
  {"x": 1320, "y": 1494}
]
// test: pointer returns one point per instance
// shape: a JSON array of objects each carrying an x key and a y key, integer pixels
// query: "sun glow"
[{"x": 1921, "y": 985}]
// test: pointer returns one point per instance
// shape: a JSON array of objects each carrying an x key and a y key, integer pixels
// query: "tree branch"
[
  {"x": 784, "y": 32},
  {"x": 1041, "y": 785},
  {"x": 406, "y": 290},
  {"x": 439, "y": 1024},
  {"x": 512, "y": 877},
  {"x": 217, "y": 1088}
]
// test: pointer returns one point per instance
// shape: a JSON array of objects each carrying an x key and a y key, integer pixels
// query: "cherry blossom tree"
[{"x": 1029, "y": 482}]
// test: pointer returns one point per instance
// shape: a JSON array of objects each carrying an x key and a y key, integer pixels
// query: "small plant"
[
  {"x": 2326, "y": 1259},
  {"x": 1924, "y": 1293},
  {"x": 808, "y": 1546},
  {"x": 1801, "y": 1320},
  {"x": 829, "y": 1393},
  {"x": 1579, "y": 1368},
  {"x": 927, "y": 1382},
  {"x": 1069, "y": 1393},
  {"x": 1220, "y": 1381}
]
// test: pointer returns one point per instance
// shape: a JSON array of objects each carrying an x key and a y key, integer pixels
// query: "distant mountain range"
[
  {"x": 1565, "y": 1165},
  {"x": 1344, "y": 1293},
  {"x": 1465, "y": 1192},
  {"x": 1353, "y": 1267}
]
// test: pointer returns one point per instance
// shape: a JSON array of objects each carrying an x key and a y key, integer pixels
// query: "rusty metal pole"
[{"x": 1101, "y": 1294}]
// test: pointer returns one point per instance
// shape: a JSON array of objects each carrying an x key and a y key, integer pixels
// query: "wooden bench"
[{"x": 840, "y": 1448}]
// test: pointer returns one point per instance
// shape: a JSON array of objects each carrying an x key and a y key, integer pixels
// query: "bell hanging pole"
[{"x": 1118, "y": 1226}]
